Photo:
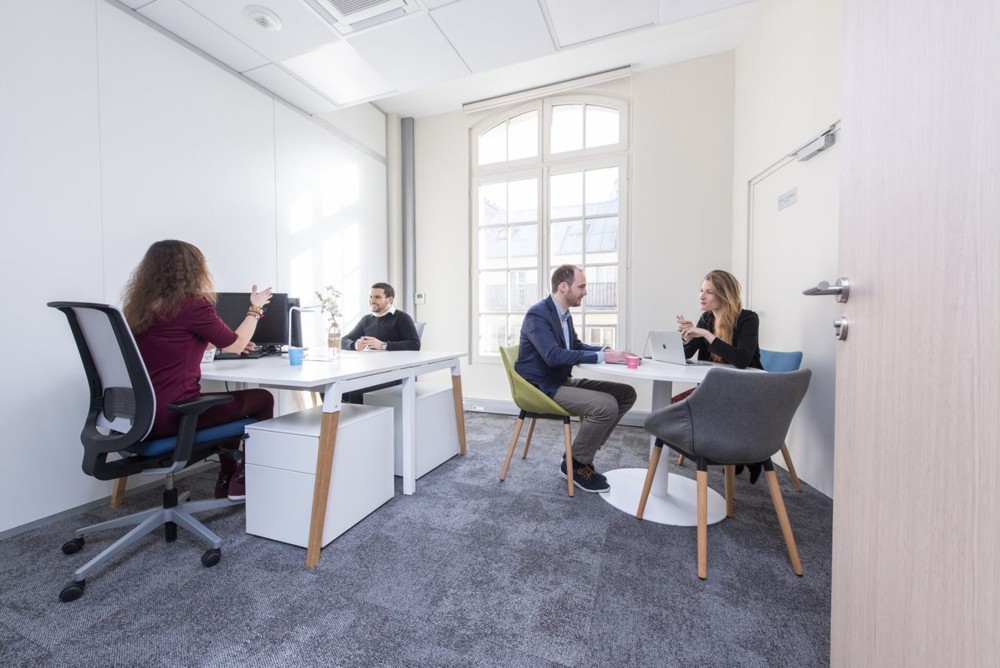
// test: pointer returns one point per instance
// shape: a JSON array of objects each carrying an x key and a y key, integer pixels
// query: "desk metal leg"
[
  {"x": 321, "y": 490},
  {"x": 456, "y": 391},
  {"x": 409, "y": 430}
]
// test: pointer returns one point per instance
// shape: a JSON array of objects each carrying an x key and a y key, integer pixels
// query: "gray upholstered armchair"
[{"x": 734, "y": 417}]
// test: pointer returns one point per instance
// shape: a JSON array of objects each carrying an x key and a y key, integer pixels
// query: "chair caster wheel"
[
  {"x": 211, "y": 557},
  {"x": 72, "y": 546},
  {"x": 72, "y": 591}
]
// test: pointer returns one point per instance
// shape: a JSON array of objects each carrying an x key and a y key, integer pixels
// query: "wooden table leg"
[
  {"x": 118, "y": 493},
  {"x": 321, "y": 490},
  {"x": 456, "y": 391}
]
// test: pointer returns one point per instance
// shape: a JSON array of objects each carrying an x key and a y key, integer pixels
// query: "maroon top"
[{"x": 172, "y": 350}]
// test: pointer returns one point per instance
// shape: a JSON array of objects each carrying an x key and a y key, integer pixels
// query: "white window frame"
[{"x": 543, "y": 167}]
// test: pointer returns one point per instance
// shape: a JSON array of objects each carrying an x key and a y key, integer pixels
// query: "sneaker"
[
  {"x": 227, "y": 467},
  {"x": 577, "y": 465},
  {"x": 586, "y": 478},
  {"x": 238, "y": 484}
]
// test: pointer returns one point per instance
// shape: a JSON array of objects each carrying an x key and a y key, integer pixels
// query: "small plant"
[{"x": 329, "y": 301}]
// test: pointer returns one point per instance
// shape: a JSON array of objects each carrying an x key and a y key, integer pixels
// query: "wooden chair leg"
[
  {"x": 680, "y": 460},
  {"x": 791, "y": 467},
  {"x": 567, "y": 437},
  {"x": 730, "y": 488},
  {"x": 510, "y": 450},
  {"x": 118, "y": 493},
  {"x": 654, "y": 461},
  {"x": 702, "y": 524},
  {"x": 527, "y": 440},
  {"x": 786, "y": 527}
]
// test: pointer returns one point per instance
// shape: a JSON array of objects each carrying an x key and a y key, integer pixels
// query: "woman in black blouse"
[{"x": 726, "y": 332}]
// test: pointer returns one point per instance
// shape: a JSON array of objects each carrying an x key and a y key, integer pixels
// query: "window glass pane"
[
  {"x": 514, "y": 323},
  {"x": 493, "y": 145},
  {"x": 493, "y": 291},
  {"x": 602, "y": 288},
  {"x": 493, "y": 248},
  {"x": 523, "y": 246},
  {"x": 567, "y": 128},
  {"x": 492, "y": 334},
  {"x": 566, "y": 195},
  {"x": 493, "y": 204},
  {"x": 523, "y": 200},
  {"x": 522, "y": 136},
  {"x": 602, "y": 126},
  {"x": 523, "y": 290},
  {"x": 602, "y": 240},
  {"x": 599, "y": 329},
  {"x": 601, "y": 191},
  {"x": 566, "y": 243}
]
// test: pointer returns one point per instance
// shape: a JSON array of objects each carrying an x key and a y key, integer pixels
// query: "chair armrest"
[
  {"x": 199, "y": 405},
  {"x": 190, "y": 410}
]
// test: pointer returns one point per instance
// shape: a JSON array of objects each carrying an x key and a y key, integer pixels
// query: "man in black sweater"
[{"x": 385, "y": 328}]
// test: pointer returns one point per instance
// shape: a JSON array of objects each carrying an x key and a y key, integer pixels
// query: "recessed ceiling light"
[{"x": 263, "y": 17}]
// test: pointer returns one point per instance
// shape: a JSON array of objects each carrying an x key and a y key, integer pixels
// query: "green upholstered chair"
[{"x": 534, "y": 404}]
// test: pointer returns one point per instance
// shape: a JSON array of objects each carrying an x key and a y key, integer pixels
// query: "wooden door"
[{"x": 916, "y": 538}]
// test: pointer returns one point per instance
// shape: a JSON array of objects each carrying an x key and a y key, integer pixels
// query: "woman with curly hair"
[
  {"x": 726, "y": 332},
  {"x": 169, "y": 304}
]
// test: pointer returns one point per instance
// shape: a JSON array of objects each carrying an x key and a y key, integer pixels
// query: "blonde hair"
[
  {"x": 727, "y": 291},
  {"x": 170, "y": 272}
]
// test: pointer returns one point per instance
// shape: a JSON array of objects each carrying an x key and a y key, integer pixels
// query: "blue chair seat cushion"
[{"x": 161, "y": 446}]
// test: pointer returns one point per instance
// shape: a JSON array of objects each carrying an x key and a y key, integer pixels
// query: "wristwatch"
[{"x": 385, "y": 346}]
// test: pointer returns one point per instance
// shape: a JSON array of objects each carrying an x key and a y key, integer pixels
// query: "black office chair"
[{"x": 120, "y": 416}]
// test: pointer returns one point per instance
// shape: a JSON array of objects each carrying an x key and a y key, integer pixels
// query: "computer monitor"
[{"x": 272, "y": 329}]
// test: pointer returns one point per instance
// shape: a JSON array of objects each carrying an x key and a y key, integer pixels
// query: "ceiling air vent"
[
  {"x": 351, "y": 15},
  {"x": 263, "y": 17}
]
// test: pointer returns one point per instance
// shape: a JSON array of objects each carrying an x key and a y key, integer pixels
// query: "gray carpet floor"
[{"x": 467, "y": 572}]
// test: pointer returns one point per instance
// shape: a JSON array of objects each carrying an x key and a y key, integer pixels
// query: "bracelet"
[
  {"x": 256, "y": 309},
  {"x": 255, "y": 316}
]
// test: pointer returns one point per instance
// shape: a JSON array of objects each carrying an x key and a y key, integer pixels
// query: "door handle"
[{"x": 842, "y": 289}]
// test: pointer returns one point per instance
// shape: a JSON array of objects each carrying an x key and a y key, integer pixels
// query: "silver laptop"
[{"x": 667, "y": 346}]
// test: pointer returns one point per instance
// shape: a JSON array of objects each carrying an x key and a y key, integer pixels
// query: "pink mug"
[{"x": 632, "y": 362}]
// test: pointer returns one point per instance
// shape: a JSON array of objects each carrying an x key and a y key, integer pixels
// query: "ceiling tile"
[
  {"x": 337, "y": 71},
  {"x": 409, "y": 52},
  {"x": 494, "y": 33},
  {"x": 676, "y": 10},
  {"x": 434, "y": 4},
  {"x": 194, "y": 28},
  {"x": 287, "y": 86},
  {"x": 302, "y": 30},
  {"x": 576, "y": 21}
]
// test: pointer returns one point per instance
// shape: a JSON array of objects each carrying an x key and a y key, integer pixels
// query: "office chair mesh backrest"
[
  {"x": 734, "y": 417},
  {"x": 122, "y": 402}
]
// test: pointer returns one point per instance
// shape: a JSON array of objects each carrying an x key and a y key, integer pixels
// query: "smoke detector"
[{"x": 263, "y": 17}]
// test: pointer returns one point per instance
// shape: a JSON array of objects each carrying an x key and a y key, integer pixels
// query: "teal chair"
[
  {"x": 534, "y": 404},
  {"x": 781, "y": 362}
]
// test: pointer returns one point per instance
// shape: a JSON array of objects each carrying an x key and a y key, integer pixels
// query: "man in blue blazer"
[{"x": 549, "y": 348}]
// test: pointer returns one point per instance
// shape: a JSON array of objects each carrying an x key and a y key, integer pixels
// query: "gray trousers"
[{"x": 602, "y": 404}]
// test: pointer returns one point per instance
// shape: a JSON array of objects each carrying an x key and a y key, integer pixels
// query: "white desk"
[
  {"x": 679, "y": 505},
  {"x": 352, "y": 371}
]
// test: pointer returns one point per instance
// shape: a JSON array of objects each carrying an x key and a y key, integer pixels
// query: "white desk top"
[
  {"x": 277, "y": 372},
  {"x": 653, "y": 370}
]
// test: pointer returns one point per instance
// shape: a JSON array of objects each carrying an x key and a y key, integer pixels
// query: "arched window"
[{"x": 549, "y": 183}]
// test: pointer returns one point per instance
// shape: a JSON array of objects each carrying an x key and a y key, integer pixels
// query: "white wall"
[
  {"x": 681, "y": 207},
  {"x": 788, "y": 87},
  {"x": 115, "y": 136}
]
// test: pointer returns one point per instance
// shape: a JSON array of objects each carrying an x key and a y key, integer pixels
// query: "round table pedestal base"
[{"x": 678, "y": 508}]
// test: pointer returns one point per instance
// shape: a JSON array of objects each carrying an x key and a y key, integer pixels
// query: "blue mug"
[{"x": 295, "y": 356}]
